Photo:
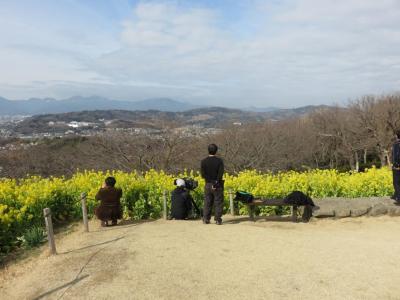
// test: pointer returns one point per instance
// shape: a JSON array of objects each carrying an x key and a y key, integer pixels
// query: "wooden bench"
[{"x": 271, "y": 202}]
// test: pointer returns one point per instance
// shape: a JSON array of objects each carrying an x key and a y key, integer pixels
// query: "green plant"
[{"x": 33, "y": 237}]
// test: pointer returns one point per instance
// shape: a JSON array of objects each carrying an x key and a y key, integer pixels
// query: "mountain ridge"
[{"x": 35, "y": 106}]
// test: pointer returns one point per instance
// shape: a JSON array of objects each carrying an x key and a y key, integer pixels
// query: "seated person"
[
  {"x": 110, "y": 205},
  {"x": 181, "y": 201}
]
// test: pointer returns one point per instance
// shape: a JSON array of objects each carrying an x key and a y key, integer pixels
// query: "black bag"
[{"x": 244, "y": 197}]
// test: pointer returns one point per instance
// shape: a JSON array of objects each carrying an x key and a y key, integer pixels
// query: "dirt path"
[{"x": 324, "y": 259}]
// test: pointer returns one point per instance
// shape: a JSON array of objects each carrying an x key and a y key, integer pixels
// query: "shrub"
[{"x": 33, "y": 237}]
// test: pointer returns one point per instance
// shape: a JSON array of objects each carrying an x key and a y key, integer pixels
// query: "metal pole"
[
  {"x": 49, "y": 228},
  {"x": 84, "y": 212}
]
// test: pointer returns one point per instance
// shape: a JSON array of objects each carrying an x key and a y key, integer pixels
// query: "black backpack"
[{"x": 244, "y": 197}]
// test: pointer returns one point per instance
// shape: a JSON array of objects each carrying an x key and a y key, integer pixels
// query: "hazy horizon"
[
  {"x": 232, "y": 106},
  {"x": 258, "y": 53}
]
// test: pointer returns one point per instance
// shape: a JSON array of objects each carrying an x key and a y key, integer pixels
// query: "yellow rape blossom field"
[{"x": 22, "y": 201}]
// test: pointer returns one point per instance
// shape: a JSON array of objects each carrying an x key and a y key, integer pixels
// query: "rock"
[
  {"x": 342, "y": 213},
  {"x": 357, "y": 212},
  {"x": 323, "y": 213},
  {"x": 379, "y": 209},
  {"x": 394, "y": 211}
]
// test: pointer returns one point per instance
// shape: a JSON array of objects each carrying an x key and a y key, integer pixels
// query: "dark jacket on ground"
[
  {"x": 212, "y": 169},
  {"x": 181, "y": 203},
  {"x": 110, "y": 205},
  {"x": 301, "y": 199},
  {"x": 298, "y": 198}
]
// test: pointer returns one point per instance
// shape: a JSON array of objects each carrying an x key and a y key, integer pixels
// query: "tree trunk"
[
  {"x": 315, "y": 159},
  {"x": 365, "y": 156},
  {"x": 351, "y": 162},
  {"x": 357, "y": 161},
  {"x": 382, "y": 157},
  {"x": 388, "y": 158}
]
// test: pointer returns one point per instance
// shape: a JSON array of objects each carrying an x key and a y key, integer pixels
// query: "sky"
[{"x": 258, "y": 53}]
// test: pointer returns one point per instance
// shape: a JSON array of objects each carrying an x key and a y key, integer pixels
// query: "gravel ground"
[{"x": 353, "y": 258}]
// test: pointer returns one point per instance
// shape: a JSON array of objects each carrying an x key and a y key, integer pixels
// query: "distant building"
[{"x": 75, "y": 124}]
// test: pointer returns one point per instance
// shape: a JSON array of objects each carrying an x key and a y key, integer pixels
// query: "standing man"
[
  {"x": 212, "y": 170},
  {"x": 396, "y": 167}
]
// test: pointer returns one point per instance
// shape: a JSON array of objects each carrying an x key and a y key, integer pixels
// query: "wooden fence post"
[
  {"x": 294, "y": 213},
  {"x": 84, "y": 212},
  {"x": 49, "y": 228},
  {"x": 165, "y": 215},
  {"x": 231, "y": 204}
]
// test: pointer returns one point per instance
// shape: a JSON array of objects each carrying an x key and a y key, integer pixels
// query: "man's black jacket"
[
  {"x": 181, "y": 203},
  {"x": 396, "y": 154},
  {"x": 212, "y": 169}
]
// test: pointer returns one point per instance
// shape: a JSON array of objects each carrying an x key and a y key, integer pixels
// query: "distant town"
[{"x": 61, "y": 129}]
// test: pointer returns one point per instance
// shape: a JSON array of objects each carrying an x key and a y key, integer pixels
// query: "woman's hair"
[{"x": 110, "y": 181}]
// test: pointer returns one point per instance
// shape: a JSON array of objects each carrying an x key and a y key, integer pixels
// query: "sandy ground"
[{"x": 324, "y": 259}]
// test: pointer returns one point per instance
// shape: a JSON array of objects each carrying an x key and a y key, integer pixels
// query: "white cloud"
[{"x": 292, "y": 52}]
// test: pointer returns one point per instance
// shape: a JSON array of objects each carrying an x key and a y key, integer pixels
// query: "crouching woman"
[{"x": 110, "y": 205}]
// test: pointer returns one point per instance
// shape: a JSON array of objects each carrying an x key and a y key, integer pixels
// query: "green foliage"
[{"x": 33, "y": 237}]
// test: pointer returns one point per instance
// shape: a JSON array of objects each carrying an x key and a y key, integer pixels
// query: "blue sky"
[{"x": 232, "y": 53}]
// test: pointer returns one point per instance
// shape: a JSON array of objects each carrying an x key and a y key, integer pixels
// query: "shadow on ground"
[
  {"x": 91, "y": 246},
  {"x": 121, "y": 225},
  {"x": 68, "y": 284},
  {"x": 238, "y": 220}
]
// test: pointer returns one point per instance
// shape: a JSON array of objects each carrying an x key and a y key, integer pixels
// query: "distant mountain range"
[
  {"x": 35, "y": 106},
  {"x": 39, "y": 106}
]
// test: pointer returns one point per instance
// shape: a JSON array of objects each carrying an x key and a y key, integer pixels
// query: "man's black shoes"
[{"x": 208, "y": 222}]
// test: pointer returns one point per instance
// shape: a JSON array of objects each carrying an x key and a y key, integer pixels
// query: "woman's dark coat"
[{"x": 110, "y": 205}]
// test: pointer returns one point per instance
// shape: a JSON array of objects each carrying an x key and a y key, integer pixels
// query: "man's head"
[
  {"x": 110, "y": 181},
  {"x": 212, "y": 149}
]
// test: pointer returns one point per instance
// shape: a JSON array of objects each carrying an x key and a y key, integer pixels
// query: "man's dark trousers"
[
  {"x": 216, "y": 197},
  {"x": 396, "y": 184}
]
